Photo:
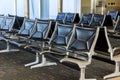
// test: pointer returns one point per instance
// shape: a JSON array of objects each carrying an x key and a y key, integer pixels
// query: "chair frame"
[
  {"x": 44, "y": 62},
  {"x": 113, "y": 58},
  {"x": 82, "y": 65}
]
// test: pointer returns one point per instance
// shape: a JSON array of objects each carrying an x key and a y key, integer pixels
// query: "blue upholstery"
[
  {"x": 62, "y": 34},
  {"x": 18, "y": 21},
  {"x": 2, "y": 21},
  {"x": 86, "y": 19},
  {"x": 113, "y": 14},
  {"x": 26, "y": 27},
  {"x": 60, "y": 17},
  {"x": 8, "y": 25},
  {"x": 82, "y": 39},
  {"x": 97, "y": 20},
  {"x": 41, "y": 30},
  {"x": 69, "y": 18}
]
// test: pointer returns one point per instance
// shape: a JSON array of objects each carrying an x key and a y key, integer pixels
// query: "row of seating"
[
  {"x": 76, "y": 43},
  {"x": 88, "y": 19}
]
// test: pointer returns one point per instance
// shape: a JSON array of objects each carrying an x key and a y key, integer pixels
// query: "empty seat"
[
  {"x": 116, "y": 31},
  {"x": 81, "y": 47},
  {"x": 57, "y": 43},
  {"x": 117, "y": 26},
  {"x": 113, "y": 14},
  {"x": 26, "y": 27},
  {"x": 41, "y": 30},
  {"x": 18, "y": 21},
  {"x": 97, "y": 20},
  {"x": 71, "y": 18},
  {"x": 60, "y": 17},
  {"x": 39, "y": 34},
  {"x": 2, "y": 21},
  {"x": 85, "y": 20},
  {"x": 8, "y": 24},
  {"x": 109, "y": 50}
]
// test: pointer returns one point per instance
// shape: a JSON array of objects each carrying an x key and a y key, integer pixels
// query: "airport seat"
[
  {"x": 116, "y": 31},
  {"x": 117, "y": 26},
  {"x": 52, "y": 26},
  {"x": 67, "y": 40},
  {"x": 60, "y": 17},
  {"x": 26, "y": 28},
  {"x": 109, "y": 23},
  {"x": 39, "y": 34},
  {"x": 18, "y": 21},
  {"x": 16, "y": 38},
  {"x": 113, "y": 14},
  {"x": 57, "y": 42},
  {"x": 9, "y": 22},
  {"x": 108, "y": 50},
  {"x": 71, "y": 18},
  {"x": 2, "y": 21},
  {"x": 97, "y": 20},
  {"x": 85, "y": 20},
  {"x": 81, "y": 47}
]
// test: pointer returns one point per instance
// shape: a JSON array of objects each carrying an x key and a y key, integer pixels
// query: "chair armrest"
[
  {"x": 27, "y": 46},
  {"x": 116, "y": 51}
]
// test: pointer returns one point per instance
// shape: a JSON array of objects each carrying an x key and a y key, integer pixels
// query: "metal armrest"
[
  {"x": 116, "y": 51},
  {"x": 27, "y": 46}
]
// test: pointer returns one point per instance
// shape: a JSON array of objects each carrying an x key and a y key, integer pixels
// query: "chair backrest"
[
  {"x": 103, "y": 45},
  {"x": 52, "y": 26},
  {"x": 113, "y": 14},
  {"x": 97, "y": 20},
  {"x": 2, "y": 21},
  {"x": 117, "y": 26},
  {"x": 18, "y": 21},
  {"x": 108, "y": 21},
  {"x": 70, "y": 17},
  {"x": 8, "y": 25},
  {"x": 61, "y": 34},
  {"x": 86, "y": 19},
  {"x": 60, "y": 17},
  {"x": 41, "y": 30},
  {"x": 84, "y": 39},
  {"x": 26, "y": 28}
]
